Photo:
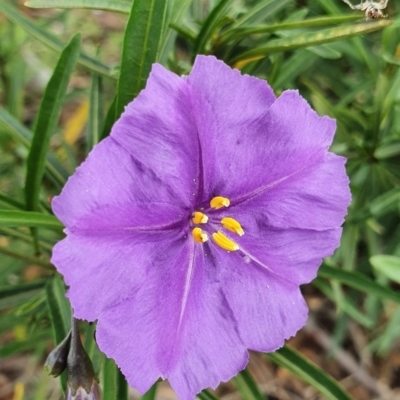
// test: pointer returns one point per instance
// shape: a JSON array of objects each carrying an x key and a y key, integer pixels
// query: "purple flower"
[{"x": 191, "y": 228}]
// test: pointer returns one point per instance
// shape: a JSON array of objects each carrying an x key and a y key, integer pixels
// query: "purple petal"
[
  {"x": 249, "y": 139},
  {"x": 158, "y": 132},
  {"x": 268, "y": 308},
  {"x": 228, "y": 108},
  {"x": 177, "y": 325},
  {"x": 103, "y": 269},
  {"x": 111, "y": 190},
  {"x": 315, "y": 198},
  {"x": 293, "y": 254}
]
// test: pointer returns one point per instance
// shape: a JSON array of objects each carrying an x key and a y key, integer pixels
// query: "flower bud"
[
  {"x": 57, "y": 360},
  {"x": 82, "y": 383},
  {"x": 82, "y": 394}
]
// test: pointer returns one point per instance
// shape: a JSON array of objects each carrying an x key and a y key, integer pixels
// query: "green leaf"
[
  {"x": 52, "y": 41},
  {"x": 151, "y": 393},
  {"x": 49, "y": 113},
  {"x": 13, "y": 295},
  {"x": 260, "y": 11},
  {"x": 359, "y": 281},
  {"x": 304, "y": 369},
  {"x": 282, "y": 26},
  {"x": 60, "y": 312},
  {"x": 11, "y": 202},
  {"x": 311, "y": 39},
  {"x": 247, "y": 387},
  {"x": 387, "y": 265},
  {"x": 26, "y": 258},
  {"x": 121, "y": 6},
  {"x": 114, "y": 383},
  {"x": 206, "y": 395},
  {"x": 12, "y": 218},
  {"x": 109, "y": 119},
  {"x": 95, "y": 112},
  {"x": 142, "y": 41},
  {"x": 209, "y": 26},
  {"x": 59, "y": 307},
  {"x": 21, "y": 134},
  {"x": 343, "y": 303}
]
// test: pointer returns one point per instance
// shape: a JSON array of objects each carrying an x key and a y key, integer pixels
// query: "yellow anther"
[
  {"x": 224, "y": 242},
  {"x": 219, "y": 202},
  {"x": 199, "y": 218},
  {"x": 232, "y": 225},
  {"x": 199, "y": 236}
]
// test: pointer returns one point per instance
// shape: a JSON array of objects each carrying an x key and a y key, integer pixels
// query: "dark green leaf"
[
  {"x": 60, "y": 309},
  {"x": 304, "y": 369},
  {"x": 13, "y": 295},
  {"x": 247, "y": 386},
  {"x": 11, "y": 218},
  {"x": 121, "y": 6},
  {"x": 142, "y": 41},
  {"x": 24, "y": 136},
  {"x": 311, "y": 39},
  {"x": 359, "y": 281},
  {"x": 114, "y": 383},
  {"x": 47, "y": 120},
  {"x": 151, "y": 393},
  {"x": 95, "y": 112},
  {"x": 209, "y": 26},
  {"x": 51, "y": 41},
  {"x": 387, "y": 265},
  {"x": 207, "y": 395}
]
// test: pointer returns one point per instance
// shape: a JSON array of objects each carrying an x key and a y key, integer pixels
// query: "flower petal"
[
  {"x": 158, "y": 132},
  {"x": 268, "y": 309},
  {"x": 104, "y": 269},
  {"x": 249, "y": 139},
  {"x": 177, "y": 325},
  {"x": 111, "y": 190},
  {"x": 293, "y": 254},
  {"x": 317, "y": 198}
]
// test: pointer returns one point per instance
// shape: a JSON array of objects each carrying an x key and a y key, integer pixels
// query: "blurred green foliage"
[{"x": 322, "y": 48}]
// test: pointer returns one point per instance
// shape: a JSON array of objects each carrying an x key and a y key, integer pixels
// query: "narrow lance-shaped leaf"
[
  {"x": 151, "y": 393},
  {"x": 95, "y": 112},
  {"x": 210, "y": 25},
  {"x": 142, "y": 40},
  {"x": 307, "y": 23},
  {"x": 360, "y": 282},
  {"x": 47, "y": 120},
  {"x": 247, "y": 386},
  {"x": 311, "y": 39},
  {"x": 114, "y": 383},
  {"x": 13, "y": 218},
  {"x": 50, "y": 40},
  {"x": 60, "y": 312},
  {"x": 121, "y": 6},
  {"x": 309, "y": 372}
]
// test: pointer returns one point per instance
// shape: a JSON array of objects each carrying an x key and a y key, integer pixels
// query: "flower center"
[{"x": 220, "y": 239}]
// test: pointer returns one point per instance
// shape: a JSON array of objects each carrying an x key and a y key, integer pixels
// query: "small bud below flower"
[
  {"x": 219, "y": 202},
  {"x": 57, "y": 360},
  {"x": 82, "y": 394},
  {"x": 82, "y": 383}
]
